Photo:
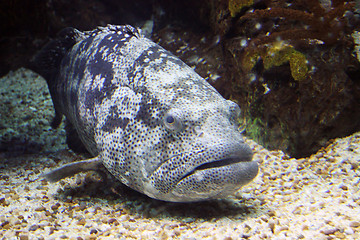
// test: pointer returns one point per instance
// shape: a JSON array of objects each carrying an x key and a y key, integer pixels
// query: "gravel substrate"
[{"x": 308, "y": 198}]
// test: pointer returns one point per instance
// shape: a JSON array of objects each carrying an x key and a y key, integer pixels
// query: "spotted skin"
[{"x": 153, "y": 122}]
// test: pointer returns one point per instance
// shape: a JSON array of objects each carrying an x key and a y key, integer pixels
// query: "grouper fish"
[{"x": 144, "y": 115}]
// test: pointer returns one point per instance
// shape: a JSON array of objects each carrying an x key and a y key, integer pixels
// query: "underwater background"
[{"x": 292, "y": 66}]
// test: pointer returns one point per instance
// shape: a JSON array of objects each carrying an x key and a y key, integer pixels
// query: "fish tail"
[{"x": 47, "y": 63}]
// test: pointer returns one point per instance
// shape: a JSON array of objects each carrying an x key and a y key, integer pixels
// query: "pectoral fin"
[{"x": 92, "y": 164}]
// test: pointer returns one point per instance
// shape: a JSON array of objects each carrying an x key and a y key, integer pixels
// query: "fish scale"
[{"x": 144, "y": 115}]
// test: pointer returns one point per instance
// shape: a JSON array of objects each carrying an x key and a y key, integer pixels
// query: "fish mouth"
[
  {"x": 216, "y": 164},
  {"x": 212, "y": 178},
  {"x": 215, "y": 179}
]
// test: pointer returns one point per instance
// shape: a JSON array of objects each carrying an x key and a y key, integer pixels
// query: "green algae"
[
  {"x": 278, "y": 54},
  {"x": 235, "y": 6}
]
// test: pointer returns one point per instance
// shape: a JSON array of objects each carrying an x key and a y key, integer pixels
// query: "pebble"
[
  {"x": 340, "y": 235},
  {"x": 81, "y": 221},
  {"x": 113, "y": 221},
  {"x": 55, "y": 206},
  {"x": 348, "y": 231},
  {"x": 355, "y": 224},
  {"x": 39, "y": 209},
  {"x": 23, "y": 237},
  {"x": 329, "y": 231},
  {"x": 33, "y": 227},
  {"x": 272, "y": 226},
  {"x": 288, "y": 199}
]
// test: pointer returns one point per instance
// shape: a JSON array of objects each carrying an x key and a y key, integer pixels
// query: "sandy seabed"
[{"x": 309, "y": 198}]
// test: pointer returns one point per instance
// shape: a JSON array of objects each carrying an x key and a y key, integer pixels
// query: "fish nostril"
[{"x": 198, "y": 131}]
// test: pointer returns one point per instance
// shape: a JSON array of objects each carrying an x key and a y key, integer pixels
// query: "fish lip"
[{"x": 228, "y": 161}]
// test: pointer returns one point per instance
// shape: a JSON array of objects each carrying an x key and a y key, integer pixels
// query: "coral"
[
  {"x": 277, "y": 31},
  {"x": 235, "y": 6},
  {"x": 318, "y": 23},
  {"x": 276, "y": 54},
  {"x": 294, "y": 72}
]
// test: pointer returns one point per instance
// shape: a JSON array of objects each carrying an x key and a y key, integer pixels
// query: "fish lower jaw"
[{"x": 213, "y": 180}]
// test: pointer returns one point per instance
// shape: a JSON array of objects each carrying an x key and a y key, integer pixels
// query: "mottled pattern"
[{"x": 156, "y": 125}]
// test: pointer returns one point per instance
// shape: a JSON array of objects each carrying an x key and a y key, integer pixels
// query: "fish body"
[{"x": 150, "y": 119}]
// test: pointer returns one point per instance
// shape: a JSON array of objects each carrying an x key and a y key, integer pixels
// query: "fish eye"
[
  {"x": 235, "y": 110},
  {"x": 172, "y": 120}
]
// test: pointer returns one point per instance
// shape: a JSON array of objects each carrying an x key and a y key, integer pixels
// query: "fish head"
[
  {"x": 185, "y": 150},
  {"x": 206, "y": 158}
]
